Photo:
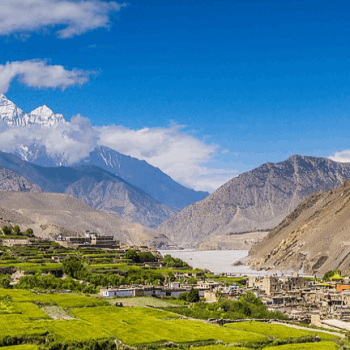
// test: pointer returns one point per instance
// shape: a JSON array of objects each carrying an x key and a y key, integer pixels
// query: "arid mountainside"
[
  {"x": 49, "y": 214},
  {"x": 96, "y": 187},
  {"x": 313, "y": 238},
  {"x": 255, "y": 200},
  {"x": 10, "y": 181}
]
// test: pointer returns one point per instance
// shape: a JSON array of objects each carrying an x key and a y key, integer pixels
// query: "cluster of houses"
[
  {"x": 172, "y": 289},
  {"x": 89, "y": 240},
  {"x": 306, "y": 300}
]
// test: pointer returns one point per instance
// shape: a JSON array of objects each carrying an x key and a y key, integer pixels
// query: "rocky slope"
[
  {"x": 313, "y": 238},
  {"x": 49, "y": 214},
  {"x": 145, "y": 176},
  {"x": 10, "y": 181},
  {"x": 95, "y": 186},
  {"x": 255, "y": 200},
  {"x": 138, "y": 173}
]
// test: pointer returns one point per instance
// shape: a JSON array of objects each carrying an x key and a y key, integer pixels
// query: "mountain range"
[
  {"x": 96, "y": 187},
  {"x": 137, "y": 173},
  {"x": 255, "y": 200}
]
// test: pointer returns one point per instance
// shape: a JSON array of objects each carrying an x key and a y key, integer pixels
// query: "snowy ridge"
[{"x": 13, "y": 115}]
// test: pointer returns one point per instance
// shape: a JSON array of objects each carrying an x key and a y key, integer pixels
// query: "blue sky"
[{"x": 252, "y": 81}]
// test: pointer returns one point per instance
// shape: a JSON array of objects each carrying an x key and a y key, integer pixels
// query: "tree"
[
  {"x": 73, "y": 266},
  {"x": 16, "y": 230},
  {"x": 193, "y": 296},
  {"x": 192, "y": 280},
  {"x": 29, "y": 232},
  {"x": 132, "y": 254},
  {"x": 5, "y": 281},
  {"x": 6, "y": 230}
]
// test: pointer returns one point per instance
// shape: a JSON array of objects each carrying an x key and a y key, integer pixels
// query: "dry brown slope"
[
  {"x": 315, "y": 237},
  {"x": 52, "y": 213},
  {"x": 255, "y": 200}
]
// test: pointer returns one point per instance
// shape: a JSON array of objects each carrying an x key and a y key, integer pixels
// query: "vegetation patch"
[
  {"x": 137, "y": 326},
  {"x": 277, "y": 331},
  {"x": 324, "y": 345}
]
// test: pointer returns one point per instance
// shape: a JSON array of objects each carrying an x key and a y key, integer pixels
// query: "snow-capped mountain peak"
[
  {"x": 10, "y": 113},
  {"x": 44, "y": 116},
  {"x": 13, "y": 115}
]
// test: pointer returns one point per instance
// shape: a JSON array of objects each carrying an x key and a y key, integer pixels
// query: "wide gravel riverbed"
[{"x": 217, "y": 261}]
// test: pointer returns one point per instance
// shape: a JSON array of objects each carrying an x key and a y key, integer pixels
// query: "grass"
[
  {"x": 21, "y": 347},
  {"x": 29, "y": 310},
  {"x": 64, "y": 300},
  {"x": 219, "y": 347},
  {"x": 67, "y": 330},
  {"x": 17, "y": 325},
  {"x": 142, "y": 301},
  {"x": 324, "y": 345},
  {"x": 137, "y": 326},
  {"x": 277, "y": 331}
]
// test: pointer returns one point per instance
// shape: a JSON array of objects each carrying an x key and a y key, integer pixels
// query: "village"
[{"x": 307, "y": 300}]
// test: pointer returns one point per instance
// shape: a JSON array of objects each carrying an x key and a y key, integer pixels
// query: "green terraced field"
[
  {"x": 135, "y": 326},
  {"x": 325, "y": 345},
  {"x": 63, "y": 300},
  {"x": 220, "y": 347},
  {"x": 29, "y": 310},
  {"x": 277, "y": 331},
  {"x": 21, "y": 347},
  {"x": 18, "y": 325}
]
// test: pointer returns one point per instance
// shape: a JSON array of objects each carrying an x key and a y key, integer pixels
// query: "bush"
[
  {"x": 16, "y": 230},
  {"x": 6, "y": 230}
]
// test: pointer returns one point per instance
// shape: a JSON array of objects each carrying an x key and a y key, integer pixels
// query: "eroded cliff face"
[
  {"x": 314, "y": 238},
  {"x": 256, "y": 200}
]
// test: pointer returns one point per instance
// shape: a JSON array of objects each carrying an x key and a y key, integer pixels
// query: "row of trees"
[
  {"x": 248, "y": 306},
  {"x": 16, "y": 230}
]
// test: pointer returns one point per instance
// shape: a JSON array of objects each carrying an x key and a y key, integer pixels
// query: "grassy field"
[
  {"x": 277, "y": 331},
  {"x": 220, "y": 347},
  {"x": 21, "y": 347},
  {"x": 136, "y": 326},
  {"x": 64, "y": 300},
  {"x": 22, "y": 313},
  {"x": 325, "y": 345},
  {"x": 143, "y": 301}
]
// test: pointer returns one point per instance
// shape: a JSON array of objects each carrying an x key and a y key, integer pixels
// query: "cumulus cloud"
[
  {"x": 178, "y": 154},
  {"x": 181, "y": 156},
  {"x": 39, "y": 74},
  {"x": 342, "y": 156},
  {"x": 72, "y": 140},
  {"x": 75, "y": 16}
]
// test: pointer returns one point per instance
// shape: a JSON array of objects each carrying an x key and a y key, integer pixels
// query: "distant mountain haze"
[
  {"x": 10, "y": 181},
  {"x": 255, "y": 200},
  {"x": 95, "y": 186}
]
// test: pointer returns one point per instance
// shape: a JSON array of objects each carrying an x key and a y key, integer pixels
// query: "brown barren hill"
[
  {"x": 49, "y": 214},
  {"x": 314, "y": 238},
  {"x": 255, "y": 200}
]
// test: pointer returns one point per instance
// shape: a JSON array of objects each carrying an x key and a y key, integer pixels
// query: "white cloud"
[
  {"x": 178, "y": 154},
  {"x": 75, "y": 16},
  {"x": 74, "y": 139},
  {"x": 342, "y": 156},
  {"x": 39, "y": 74}
]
